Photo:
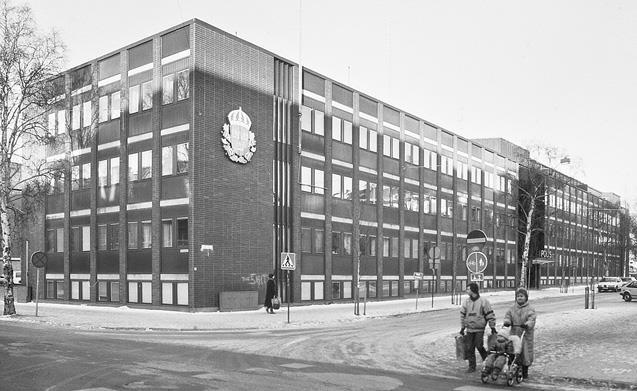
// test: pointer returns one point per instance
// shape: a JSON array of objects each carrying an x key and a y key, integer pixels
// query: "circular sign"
[
  {"x": 434, "y": 252},
  {"x": 38, "y": 259},
  {"x": 476, "y": 236},
  {"x": 476, "y": 262}
]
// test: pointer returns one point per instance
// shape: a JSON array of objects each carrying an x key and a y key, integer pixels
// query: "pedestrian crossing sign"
[{"x": 288, "y": 261}]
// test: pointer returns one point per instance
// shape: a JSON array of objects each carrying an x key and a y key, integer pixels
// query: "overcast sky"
[{"x": 563, "y": 73}]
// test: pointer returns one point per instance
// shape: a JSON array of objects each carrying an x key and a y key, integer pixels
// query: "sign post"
[
  {"x": 288, "y": 262},
  {"x": 476, "y": 263},
  {"x": 38, "y": 259},
  {"x": 417, "y": 279},
  {"x": 434, "y": 263}
]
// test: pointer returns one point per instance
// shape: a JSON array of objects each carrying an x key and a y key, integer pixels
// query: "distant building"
[{"x": 191, "y": 171}]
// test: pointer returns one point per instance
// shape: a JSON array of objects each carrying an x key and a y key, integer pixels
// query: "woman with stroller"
[{"x": 521, "y": 318}]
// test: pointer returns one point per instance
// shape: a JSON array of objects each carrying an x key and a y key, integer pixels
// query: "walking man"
[{"x": 475, "y": 313}]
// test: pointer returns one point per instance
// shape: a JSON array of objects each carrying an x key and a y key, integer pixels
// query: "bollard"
[{"x": 586, "y": 293}]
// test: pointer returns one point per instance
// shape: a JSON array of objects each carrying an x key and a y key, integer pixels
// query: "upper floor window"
[
  {"x": 108, "y": 171},
  {"x": 174, "y": 159},
  {"x": 312, "y": 121},
  {"x": 391, "y": 146},
  {"x": 140, "y": 97},
  {"x": 312, "y": 180},
  {"x": 109, "y": 107},
  {"x": 341, "y": 187},
  {"x": 367, "y": 139},
  {"x": 341, "y": 130},
  {"x": 367, "y": 191},
  {"x": 476, "y": 175},
  {"x": 390, "y": 196},
  {"x": 446, "y": 165},
  {"x": 411, "y": 200},
  {"x": 175, "y": 87},
  {"x": 57, "y": 122},
  {"x": 412, "y": 153},
  {"x": 80, "y": 176},
  {"x": 462, "y": 170}
]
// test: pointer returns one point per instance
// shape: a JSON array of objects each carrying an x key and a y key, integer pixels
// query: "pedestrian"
[
  {"x": 521, "y": 318},
  {"x": 475, "y": 313},
  {"x": 270, "y": 293}
]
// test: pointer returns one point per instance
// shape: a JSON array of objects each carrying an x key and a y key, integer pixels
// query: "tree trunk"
[
  {"x": 527, "y": 245},
  {"x": 7, "y": 268}
]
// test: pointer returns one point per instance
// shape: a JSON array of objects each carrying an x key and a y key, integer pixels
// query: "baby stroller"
[{"x": 504, "y": 358}]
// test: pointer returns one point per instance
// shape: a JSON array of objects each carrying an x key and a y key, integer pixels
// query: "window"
[
  {"x": 446, "y": 165},
  {"x": 411, "y": 200},
  {"x": 86, "y": 175},
  {"x": 167, "y": 233},
  {"x": 147, "y": 95},
  {"x": 61, "y": 122},
  {"x": 114, "y": 236},
  {"x": 312, "y": 180},
  {"x": 86, "y": 114},
  {"x": 114, "y": 170},
  {"x": 75, "y": 239},
  {"x": 319, "y": 240},
  {"x": 446, "y": 207},
  {"x": 341, "y": 187},
  {"x": 429, "y": 159},
  {"x": 475, "y": 214},
  {"x": 391, "y": 146},
  {"x": 167, "y": 160},
  {"x": 182, "y": 158},
  {"x": 347, "y": 243},
  {"x": 347, "y": 132},
  {"x": 313, "y": 121},
  {"x": 50, "y": 241},
  {"x": 386, "y": 244},
  {"x": 167, "y": 89},
  {"x": 133, "y": 99},
  {"x": 75, "y": 177},
  {"x": 109, "y": 107},
  {"x": 412, "y": 153},
  {"x": 133, "y": 167},
  {"x": 182, "y": 232},
  {"x": 367, "y": 191},
  {"x": 51, "y": 123},
  {"x": 146, "y": 234},
  {"x": 75, "y": 117},
  {"x": 363, "y": 135},
  {"x": 147, "y": 165},
  {"x": 476, "y": 175},
  {"x": 86, "y": 238},
  {"x": 183, "y": 85},
  {"x": 101, "y": 236},
  {"x": 390, "y": 196},
  {"x": 337, "y": 131},
  {"x": 462, "y": 170},
  {"x": 306, "y": 240},
  {"x": 132, "y": 235},
  {"x": 429, "y": 205},
  {"x": 462, "y": 207},
  {"x": 102, "y": 173},
  {"x": 59, "y": 239}
]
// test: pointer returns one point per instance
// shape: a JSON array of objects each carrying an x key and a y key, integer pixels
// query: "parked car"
[
  {"x": 627, "y": 280},
  {"x": 629, "y": 291},
  {"x": 609, "y": 284}
]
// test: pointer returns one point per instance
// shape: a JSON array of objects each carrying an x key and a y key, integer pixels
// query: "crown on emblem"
[{"x": 239, "y": 118}]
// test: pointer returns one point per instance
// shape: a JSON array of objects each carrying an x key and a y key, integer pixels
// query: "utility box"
[{"x": 238, "y": 300}]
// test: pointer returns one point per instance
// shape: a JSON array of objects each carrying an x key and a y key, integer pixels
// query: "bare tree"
[{"x": 28, "y": 60}]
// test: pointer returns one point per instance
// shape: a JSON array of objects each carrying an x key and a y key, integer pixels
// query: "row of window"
[
  {"x": 138, "y": 291},
  {"x": 140, "y": 166},
  {"x": 175, "y": 87},
  {"x": 174, "y": 232}
]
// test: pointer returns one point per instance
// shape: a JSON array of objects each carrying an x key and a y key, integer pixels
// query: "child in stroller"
[{"x": 503, "y": 350}]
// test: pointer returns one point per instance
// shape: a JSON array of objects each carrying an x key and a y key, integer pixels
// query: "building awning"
[{"x": 542, "y": 261}]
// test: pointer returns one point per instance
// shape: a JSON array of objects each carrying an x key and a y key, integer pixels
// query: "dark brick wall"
[{"x": 232, "y": 202}]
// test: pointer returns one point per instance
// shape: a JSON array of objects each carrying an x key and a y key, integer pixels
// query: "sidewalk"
[{"x": 123, "y": 317}]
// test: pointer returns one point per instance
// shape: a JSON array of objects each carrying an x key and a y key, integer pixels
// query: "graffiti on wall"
[{"x": 255, "y": 279}]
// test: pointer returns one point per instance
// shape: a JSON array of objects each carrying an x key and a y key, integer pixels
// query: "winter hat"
[
  {"x": 524, "y": 292},
  {"x": 474, "y": 288}
]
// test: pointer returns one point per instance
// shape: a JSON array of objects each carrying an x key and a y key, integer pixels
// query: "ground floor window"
[
  {"x": 108, "y": 291},
  {"x": 174, "y": 293},
  {"x": 55, "y": 289},
  {"x": 80, "y": 290},
  {"x": 312, "y": 290},
  {"x": 367, "y": 289},
  {"x": 341, "y": 290},
  {"x": 140, "y": 292}
]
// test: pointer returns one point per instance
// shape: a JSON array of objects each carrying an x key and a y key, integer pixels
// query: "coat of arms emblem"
[{"x": 237, "y": 139}]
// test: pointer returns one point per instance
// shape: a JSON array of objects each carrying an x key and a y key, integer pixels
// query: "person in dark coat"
[
  {"x": 521, "y": 317},
  {"x": 475, "y": 313},
  {"x": 270, "y": 292}
]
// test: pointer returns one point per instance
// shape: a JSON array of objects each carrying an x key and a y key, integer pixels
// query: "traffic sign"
[
  {"x": 288, "y": 261},
  {"x": 434, "y": 252},
  {"x": 477, "y": 236},
  {"x": 38, "y": 259},
  {"x": 476, "y": 262},
  {"x": 418, "y": 275},
  {"x": 477, "y": 277}
]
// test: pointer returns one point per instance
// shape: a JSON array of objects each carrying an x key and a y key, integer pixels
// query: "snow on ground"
[{"x": 578, "y": 344}]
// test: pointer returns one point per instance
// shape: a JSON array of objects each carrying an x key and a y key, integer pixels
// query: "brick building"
[{"x": 191, "y": 171}]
